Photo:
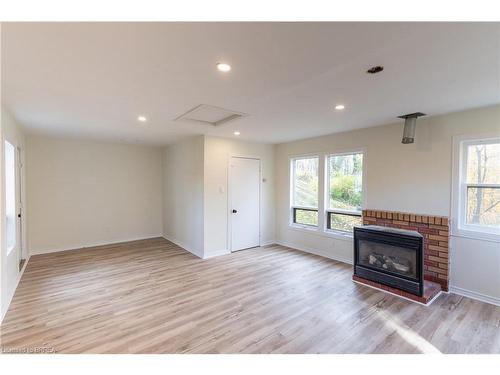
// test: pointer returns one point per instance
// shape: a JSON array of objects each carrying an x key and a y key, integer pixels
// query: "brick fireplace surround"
[{"x": 434, "y": 229}]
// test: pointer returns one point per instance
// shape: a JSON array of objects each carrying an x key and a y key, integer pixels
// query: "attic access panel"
[{"x": 210, "y": 115}]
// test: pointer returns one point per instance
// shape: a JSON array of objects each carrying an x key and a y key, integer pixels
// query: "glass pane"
[
  {"x": 305, "y": 184},
  {"x": 306, "y": 217},
  {"x": 388, "y": 257},
  {"x": 483, "y": 164},
  {"x": 343, "y": 223},
  {"x": 10, "y": 195},
  {"x": 346, "y": 181},
  {"x": 483, "y": 206}
]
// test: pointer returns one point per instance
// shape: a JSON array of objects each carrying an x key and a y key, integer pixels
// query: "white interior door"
[
  {"x": 19, "y": 205},
  {"x": 244, "y": 209}
]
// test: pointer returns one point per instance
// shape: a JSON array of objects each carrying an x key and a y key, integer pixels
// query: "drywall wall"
[
  {"x": 217, "y": 154},
  {"x": 84, "y": 193},
  {"x": 9, "y": 263},
  {"x": 410, "y": 178},
  {"x": 475, "y": 268},
  {"x": 183, "y": 194}
]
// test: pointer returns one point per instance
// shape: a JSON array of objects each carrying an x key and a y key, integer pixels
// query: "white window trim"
[
  {"x": 326, "y": 198},
  {"x": 459, "y": 227},
  {"x": 309, "y": 228},
  {"x": 321, "y": 229}
]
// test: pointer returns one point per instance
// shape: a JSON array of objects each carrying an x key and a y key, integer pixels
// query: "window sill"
[
  {"x": 339, "y": 235},
  {"x": 304, "y": 228},
  {"x": 475, "y": 235},
  {"x": 325, "y": 233}
]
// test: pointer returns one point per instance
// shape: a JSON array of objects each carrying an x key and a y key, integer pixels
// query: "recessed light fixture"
[
  {"x": 142, "y": 118},
  {"x": 236, "y": 133},
  {"x": 339, "y": 107},
  {"x": 223, "y": 67},
  {"x": 375, "y": 69}
]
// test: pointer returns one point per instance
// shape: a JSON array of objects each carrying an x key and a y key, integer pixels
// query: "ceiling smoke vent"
[
  {"x": 409, "y": 129},
  {"x": 210, "y": 115}
]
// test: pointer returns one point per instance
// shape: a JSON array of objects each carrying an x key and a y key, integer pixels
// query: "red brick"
[{"x": 439, "y": 227}]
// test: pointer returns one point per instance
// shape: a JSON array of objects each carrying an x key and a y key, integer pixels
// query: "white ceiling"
[{"x": 92, "y": 80}]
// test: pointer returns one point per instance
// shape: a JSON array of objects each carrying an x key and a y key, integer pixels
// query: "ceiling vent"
[{"x": 210, "y": 115}]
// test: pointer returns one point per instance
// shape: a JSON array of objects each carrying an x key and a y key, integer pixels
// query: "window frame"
[
  {"x": 458, "y": 190},
  {"x": 329, "y": 211},
  {"x": 293, "y": 207},
  {"x": 460, "y": 227}
]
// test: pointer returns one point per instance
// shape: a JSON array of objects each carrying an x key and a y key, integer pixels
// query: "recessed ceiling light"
[
  {"x": 142, "y": 118},
  {"x": 339, "y": 107},
  {"x": 236, "y": 133},
  {"x": 375, "y": 69},
  {"x": 223, "y": 67}
]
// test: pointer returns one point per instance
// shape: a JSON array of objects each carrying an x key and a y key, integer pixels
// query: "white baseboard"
[
  {"x": 216, "y": 254},
  {"x": 475, "y": 295},
  {"x": 198, "y": 253},
  {"x": 319, "y": 252},
  {"x": 9, "y": 298},
  {"x": 91, "y": 244},
  {"x": 268, "y": 243}
]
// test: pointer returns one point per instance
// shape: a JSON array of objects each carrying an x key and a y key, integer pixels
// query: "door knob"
[{"x": 235, "y": 211}]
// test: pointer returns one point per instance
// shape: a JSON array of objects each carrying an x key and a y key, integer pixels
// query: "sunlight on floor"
[{"x": 411, "y": 337}]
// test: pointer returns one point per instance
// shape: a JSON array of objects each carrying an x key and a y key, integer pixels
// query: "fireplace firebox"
[{"x": 389, "y": 256}]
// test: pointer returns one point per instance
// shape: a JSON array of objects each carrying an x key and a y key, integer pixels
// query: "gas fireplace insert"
[{"x": 389, "y": 256}]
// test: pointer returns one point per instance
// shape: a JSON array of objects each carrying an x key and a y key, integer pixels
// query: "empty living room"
[{"x": 217, "y": 186}]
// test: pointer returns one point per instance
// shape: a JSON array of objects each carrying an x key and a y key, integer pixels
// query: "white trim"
[
  {"x": 474, "y": 236},
  {"x": 327, "y": 233},
  {"x": 229, "y": 197},
  {"x": 339, "y": 235},
  {"x": 403, "y": 297},
  {"x": 304, "y": 227},
  {"x": 93, "y": 244},
  {"x": 323, "y": 199},
  {"x": 475, "y": 295},
  {"x": 458, "y": 228},
  {"x": 184, "y": 246},
  {"x": 9, "y": 298},
  {"x": 268, "y": 243},
  {"x": 216, "y": 254},
  {"x": 326, "y": 197},
  {"x": 291, "y": 189},
  {"x": 314, "y": 251}
]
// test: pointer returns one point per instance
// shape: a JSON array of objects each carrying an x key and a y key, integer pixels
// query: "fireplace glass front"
[{"x": 395, "y": 259}]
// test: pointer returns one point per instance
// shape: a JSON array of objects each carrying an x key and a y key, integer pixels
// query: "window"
[
  {"x": 479, "y": 196},
  {"x": 304, "y": 199},
  {"x": 10, "y": 195},
  {"x": 344, "y": 191}
]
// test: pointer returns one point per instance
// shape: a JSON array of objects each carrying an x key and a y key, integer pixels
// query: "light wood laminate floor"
[{"x": 153, "y": 297}]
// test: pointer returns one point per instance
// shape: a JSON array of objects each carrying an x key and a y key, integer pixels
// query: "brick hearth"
[
  {"x": 435, "y": 230},
  {"x": 431, "y": 289}
]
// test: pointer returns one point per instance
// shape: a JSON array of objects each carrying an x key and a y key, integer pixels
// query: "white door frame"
[
  {"x": 229, "y": 201},
  {"x": 20, "y": 201},
  {"x": 21, "y": 252}
]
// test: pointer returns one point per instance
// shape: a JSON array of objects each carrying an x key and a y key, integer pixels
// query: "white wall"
[
  {"x": 9, "y": 266},
  {"x": 83, "y": 193},
  {"x": 183, "y": 194},
  {"x": 218, "y": 152},
  {"x": 410, "y": 178}
]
